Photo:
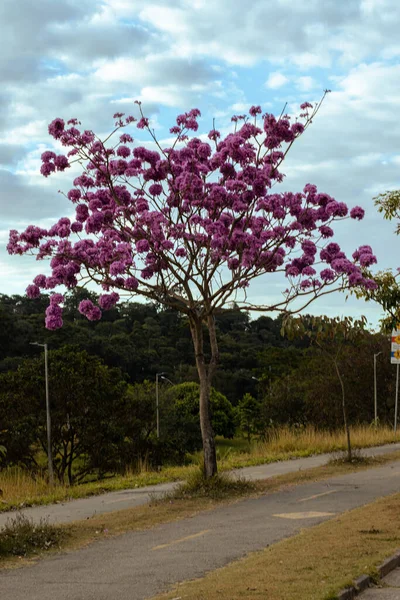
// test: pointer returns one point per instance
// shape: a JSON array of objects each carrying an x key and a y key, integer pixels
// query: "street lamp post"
[
  {"x": 48, "y": 417},
  {"x": 158, "y": 377},
  {"x": 158, "y": 404},
  {"x": 375, "y": 391}
]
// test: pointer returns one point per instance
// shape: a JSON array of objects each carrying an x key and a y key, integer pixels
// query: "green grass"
[{"x": 20, "y": 489}]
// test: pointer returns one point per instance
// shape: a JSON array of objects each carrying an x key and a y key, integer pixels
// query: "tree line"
[{"x": 102, "y": 384}]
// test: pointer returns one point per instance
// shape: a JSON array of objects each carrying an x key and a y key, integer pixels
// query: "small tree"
[
  {"x": 387, "y": 291},
  {"x": 87, "y": 410},
  {"x": 190, "y": 225},
  {"x": 249, "y": 410},
  {"x": 183, "y": 400},
  {"x": 330, "y": 335}
]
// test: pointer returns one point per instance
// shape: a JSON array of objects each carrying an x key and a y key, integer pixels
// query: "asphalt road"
[
  {"x": 84, "y": 508},
  {"x": 138, "y": 565}
]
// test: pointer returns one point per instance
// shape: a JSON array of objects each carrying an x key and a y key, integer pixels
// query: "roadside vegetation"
[
  {"x": 273, "y": 398},
  {"x": 188, "y": 500},
  {"x": 19, "y": 488},
  {"x": 21, "y": 537}
]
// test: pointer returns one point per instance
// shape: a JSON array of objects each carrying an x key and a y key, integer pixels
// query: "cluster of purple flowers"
[{"x": 187, "y": 206}]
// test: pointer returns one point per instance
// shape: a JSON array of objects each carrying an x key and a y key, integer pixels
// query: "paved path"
[
  {"x": 137, "y": 565},
  {"x": 389, "y": 591},
  {"x": 85, "y": 508}
]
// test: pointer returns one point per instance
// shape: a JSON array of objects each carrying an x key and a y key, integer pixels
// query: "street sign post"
[{"x": 395, "y": 360}]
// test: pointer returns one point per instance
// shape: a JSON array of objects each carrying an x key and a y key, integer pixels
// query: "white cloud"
[
  {"x": 276, "y": 80},
  {"x": 305, "y": 83}
]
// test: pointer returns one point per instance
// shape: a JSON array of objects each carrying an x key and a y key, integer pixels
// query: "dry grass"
[
  {"x": 20, "y": 489},
  {"x": 289, "y": 442},
  {"x": 332, "y": 556}
]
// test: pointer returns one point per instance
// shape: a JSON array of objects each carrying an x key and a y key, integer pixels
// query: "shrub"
[{"x": 21, "y": 536}]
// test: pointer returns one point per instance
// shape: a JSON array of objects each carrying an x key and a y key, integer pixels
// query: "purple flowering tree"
[{"x": 190, "y": 225}]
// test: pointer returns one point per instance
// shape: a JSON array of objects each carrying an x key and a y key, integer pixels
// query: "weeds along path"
[
  {"x": 85, "y": 508},
  {"x": 143, "y": 563}
]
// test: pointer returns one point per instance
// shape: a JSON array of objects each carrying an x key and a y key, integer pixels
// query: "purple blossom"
[
  {"x": 53, "y": 317},
  {"x": 308, "y": 271},
  {"x": 47, "y": 168},
  {"x": 155, "y": 189},
  {"x": 56, "y": 128},
  {"x": 214, "y": 135},
  {"x": 33, "y": 291},
  {"x": 48, "y": 155},
  {"x": 357, "y": 213},
  {"x": 297, "y": 129},
  {"x": 142, "y": 123},
  {"x": 123, "y": 151},
  {"x": 61, "y": 162},
  {"x": 370, "y": 284},
  {"x": 89, "y": 310},
  {"x": 255, "y": 110},
  {"x": 365, "y": 256},
  {"x": 76, "y": 227},
  {"x": 74, "y": 195},
  {"x": 40, "y": 281},
  {"x": 327, "y": 275},
  {"x": 142, "y": 246},
  {"x": 94, "y": 314},
  {"x": 131, "y": 283},
  {"x": 117, "y": 267},
  {"x": 85, "y": 306},
  {"x": 125, "y": 138},
  {"x": 326, "y": 231},
  {"x": 306, "y": 283},
  {"x": 356, "y": 278},
  {"x": 108, "y": 301},
  {"x": 292, "y": 271},
  {"x": 367, "y": 259},
  {"x": 56, "y": 299}
]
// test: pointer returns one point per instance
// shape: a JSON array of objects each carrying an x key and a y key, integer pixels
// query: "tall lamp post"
[
  {"x": 158, "y": 377},
  {"x": 158, "y": 404},
  {"x": 48, "y": 418},
  {"x": 375, "y": 391}
]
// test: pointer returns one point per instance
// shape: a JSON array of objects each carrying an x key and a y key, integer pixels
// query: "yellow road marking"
[
  {"x": 304, "y": 515},
  {"x": 188, "y": 537},
  {"x": 317, "y": 496}
]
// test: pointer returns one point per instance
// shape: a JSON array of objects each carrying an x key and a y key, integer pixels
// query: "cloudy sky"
[{"x": 91, "y": 58}]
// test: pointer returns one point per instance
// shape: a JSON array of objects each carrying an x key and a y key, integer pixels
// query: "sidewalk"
[
  {"x": 390, "y": 591},
  {"x": 85, "y": 508}
]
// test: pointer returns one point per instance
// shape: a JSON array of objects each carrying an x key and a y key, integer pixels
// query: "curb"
[{"x": 365, "y": 581}]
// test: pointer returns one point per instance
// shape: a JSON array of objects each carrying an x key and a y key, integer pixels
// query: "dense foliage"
[{"x": 143, "y": 339}]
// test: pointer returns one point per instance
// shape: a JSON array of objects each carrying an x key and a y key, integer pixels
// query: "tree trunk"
[
  {"x": 346, "y": 425},
  {"x": 205, "y": 376}
]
